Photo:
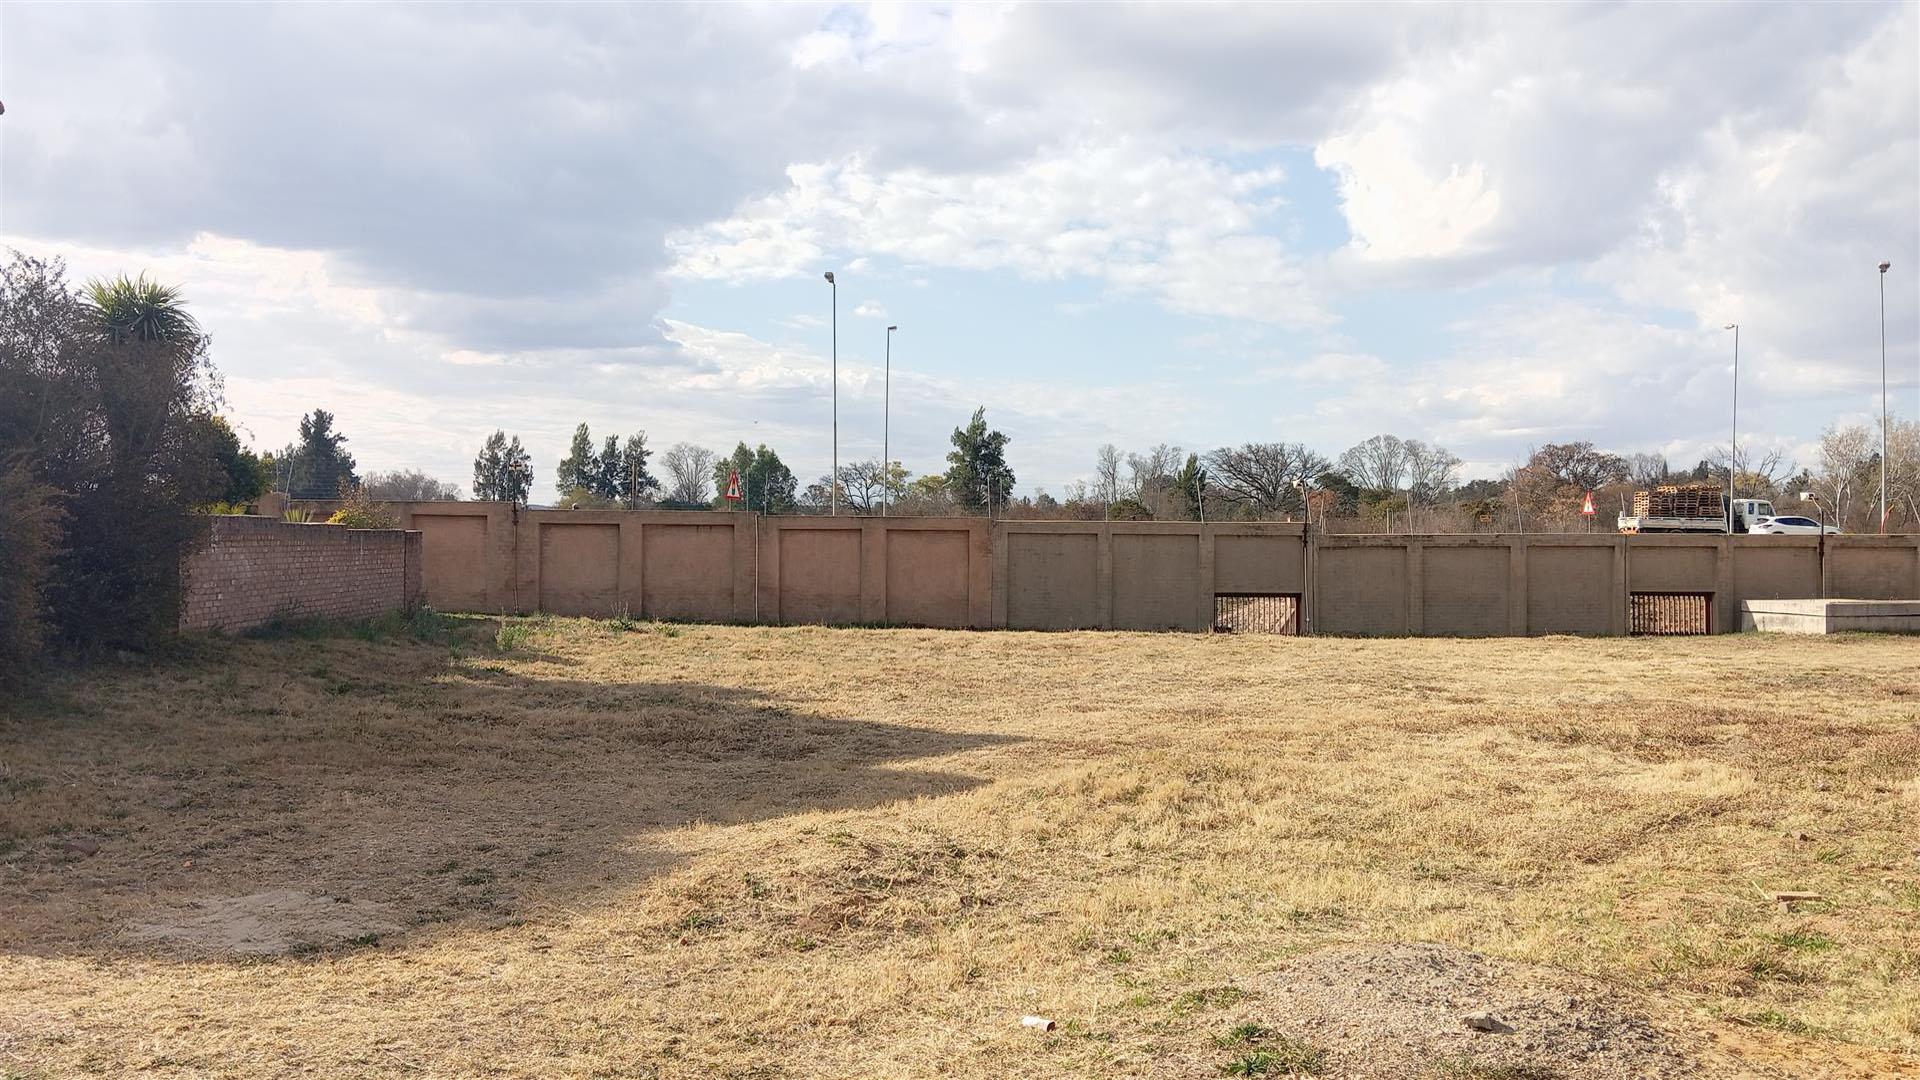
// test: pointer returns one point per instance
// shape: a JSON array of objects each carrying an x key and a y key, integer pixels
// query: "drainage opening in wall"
[
  {"x": 1664, "y": 614},
  {"x": 1256, "y": 613}
]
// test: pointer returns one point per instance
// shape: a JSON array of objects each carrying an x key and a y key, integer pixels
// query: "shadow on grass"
[{"x": 431, "y": 777}]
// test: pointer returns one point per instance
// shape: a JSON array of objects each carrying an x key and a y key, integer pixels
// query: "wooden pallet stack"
[{"x": 1679, "y": 500}]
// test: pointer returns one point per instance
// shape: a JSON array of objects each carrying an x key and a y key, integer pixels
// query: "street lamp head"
[
  {"x": 1885, "y": 266},
  {"x": 1731, "y": 326},
  {"x": 829, "y": 277},
  {"x": 891, "y": 329}
]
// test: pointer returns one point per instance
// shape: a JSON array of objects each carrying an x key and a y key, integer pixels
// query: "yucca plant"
[{"x": 136, "y": 309}]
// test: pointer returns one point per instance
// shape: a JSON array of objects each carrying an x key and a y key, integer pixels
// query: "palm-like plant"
[{"x": 136, "y": 309}]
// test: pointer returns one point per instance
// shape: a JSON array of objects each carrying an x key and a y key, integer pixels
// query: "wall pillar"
[
  {"x": 997, "y": 583},
  {"x": 1103, "y": 575},
  {"x": 873, "y": 570},
  {"x": 1622, "y": 585},
  {"x": 1205, "y": 576},
  {"x": 1726, "y": 611},
  {"x": 1416, "y": 587},
  {"x": 1517, "y": 587},
  {"x": 629, "y": 585}
]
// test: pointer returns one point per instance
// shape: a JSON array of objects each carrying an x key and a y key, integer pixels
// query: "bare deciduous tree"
[
  {"x": 1648, "y": 470},
  {"x": 1106, "y": 468},
  {"x": 1379, "y": 463},
  {"x": 1260, "y": 477},
  {"x": 1153, "y": 479},
  {"x": 1760, "y": 472},
  {"x": 1846, "y": 455},
  {"x": 689, "y": 472},
  {"x": 1432, "y": 472},
  {"x": 408, "y": 485}
]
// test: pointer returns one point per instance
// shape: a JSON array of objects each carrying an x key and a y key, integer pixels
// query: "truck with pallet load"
[{"x": 1694, "y": 508}]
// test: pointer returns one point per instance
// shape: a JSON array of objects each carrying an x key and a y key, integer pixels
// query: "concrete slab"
[{"x": 1831, "y": 616}]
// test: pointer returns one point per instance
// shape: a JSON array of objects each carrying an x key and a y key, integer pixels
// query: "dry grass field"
[{"x": 632, "y": 850}]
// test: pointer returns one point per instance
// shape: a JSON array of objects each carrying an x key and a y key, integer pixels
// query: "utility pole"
[
  {"x": 886, "y": 430},
  {"x": 1733, "y": 456},
  {"x": 1883, "y": 395},
  {"x": 833, "y": 479}
]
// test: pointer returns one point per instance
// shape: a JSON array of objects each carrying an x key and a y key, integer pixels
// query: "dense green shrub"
[
  {"x": 29, "y": 535},
  {"x": 109, "y": 401}
]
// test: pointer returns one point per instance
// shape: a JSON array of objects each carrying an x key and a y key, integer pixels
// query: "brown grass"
[{"x": 805, "y": 852}]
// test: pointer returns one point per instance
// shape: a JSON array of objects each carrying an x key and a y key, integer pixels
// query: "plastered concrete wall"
[
  {"x": 1464, "y": 589},
  {"x": 253, "y": 569},
  {"x": 1156, "y": 583},
  {"x": 1051, "y": 581},
  {"x": 960, "y": 572},
  {"x": 1873, "y": 568},
  {"x": 901, "y": 571},
  {"x": 929, "y": 579},
  {"x": 688, "y": 572},
  {"x": 1360, "y": 587},
  {"x": 1666, "y": 564},
  {"x": 1571, "y": 589},
  {"x": 1776, "y": 567},
  {"x": 579, "y": 570},
  {"x": 1258, "y": 563},
  {"x": 819, "y": 575},
  {"x": 1136, "y": 575}
]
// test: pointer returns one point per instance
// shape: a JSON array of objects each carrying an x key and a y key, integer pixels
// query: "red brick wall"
[{"x": 254, "y": 568}]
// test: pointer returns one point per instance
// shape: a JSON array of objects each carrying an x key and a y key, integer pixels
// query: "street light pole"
[
  {"x": 886, "y": 430},
  {"x": 1733, "y": 456},
  {"x": 1883, "y": 395},
  {"x": 833, "y": 479}
]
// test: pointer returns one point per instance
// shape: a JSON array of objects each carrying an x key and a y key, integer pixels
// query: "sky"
[{"x": 1488, "y": 227}]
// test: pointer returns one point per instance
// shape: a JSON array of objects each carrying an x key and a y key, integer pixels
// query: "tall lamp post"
[
  {"x": 1733, "y": 457},
  {"x": 1884, "y": 266},
  {"x": 833, "y": 479},
  {"x": 886, "y": 429}
]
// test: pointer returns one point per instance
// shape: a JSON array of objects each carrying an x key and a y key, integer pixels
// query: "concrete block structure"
[{"x": 1831, "y": 616}]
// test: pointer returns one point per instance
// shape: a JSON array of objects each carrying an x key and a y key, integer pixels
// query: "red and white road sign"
[
  {"x": 1586, "y": 506},
  {"x": 733, "y": 486}
]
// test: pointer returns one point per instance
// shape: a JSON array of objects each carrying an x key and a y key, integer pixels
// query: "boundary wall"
[
  {"x": 251, "y": 570},
  {"x": 1122, "y": 575}
]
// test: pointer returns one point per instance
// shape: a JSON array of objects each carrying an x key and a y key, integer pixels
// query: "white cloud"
[
  {"x": 480, "y": 223},
  {"x": 1176, "y": 226}
]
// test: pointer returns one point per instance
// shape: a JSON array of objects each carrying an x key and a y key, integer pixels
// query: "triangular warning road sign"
[
  {"x": 733, "y": 486},
  {"x": 1586, "y": 507}
]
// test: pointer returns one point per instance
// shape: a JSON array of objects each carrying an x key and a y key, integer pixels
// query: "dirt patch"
[
  {"x": 268, "y": 923},
  {"x": 1433, "y": 1011}
]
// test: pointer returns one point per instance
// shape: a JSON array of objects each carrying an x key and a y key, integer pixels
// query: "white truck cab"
[{"x": 1748, "y": 512}]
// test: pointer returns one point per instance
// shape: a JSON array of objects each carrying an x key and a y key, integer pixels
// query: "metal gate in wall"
[
  {"x": 1670, "y": 614},
  {"x": 1256, "y": 613}
]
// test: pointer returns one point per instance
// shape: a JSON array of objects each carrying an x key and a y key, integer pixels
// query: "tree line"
[{"x": 1384, "y": 482}]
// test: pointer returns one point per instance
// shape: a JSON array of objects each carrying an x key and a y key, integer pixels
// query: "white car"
[{"x": 1788, "y": 526}]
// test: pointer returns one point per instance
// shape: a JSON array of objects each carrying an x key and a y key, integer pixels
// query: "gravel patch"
[{"x": 1431, "y": 1011}]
